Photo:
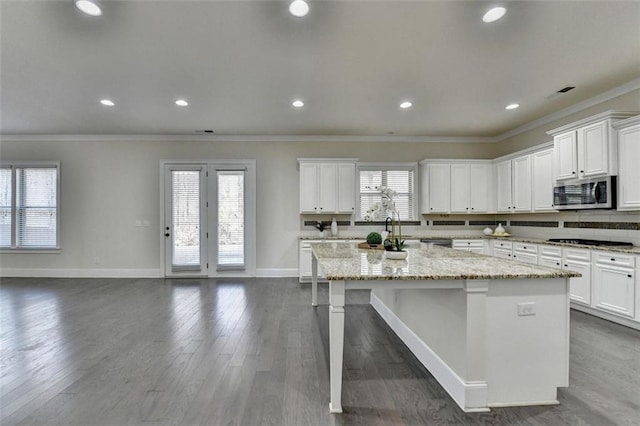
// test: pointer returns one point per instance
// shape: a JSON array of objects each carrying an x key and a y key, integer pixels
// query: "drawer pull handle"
[
  {"x": 629, "y": 275},
  {"x": 613, "y": 259}
]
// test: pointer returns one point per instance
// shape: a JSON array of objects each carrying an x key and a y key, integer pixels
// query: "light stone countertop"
[
  {"x": 345, "y": 261},
  {"x": 615, "y": 249}
]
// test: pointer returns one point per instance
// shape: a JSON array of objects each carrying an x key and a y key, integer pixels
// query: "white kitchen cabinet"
[
  {"x": 578, "y": 260},
  {"x": 628, "y": 133},
  {"x": 542, "y": 180},
  {"x": 502, "y": 249},
  {"x": 513, "y": 185},
  {"x": 525, "y": 252},
  {"x": 327, "y": 187},
  {"x": 550, "y": 256},
  {"x": 474, "y": 245},
  {"x": 439, "y": 184},
  {"x": 470, "y": 187},
  {"x": 614, "y": 283},
  {"x": 587, "y": 148}
]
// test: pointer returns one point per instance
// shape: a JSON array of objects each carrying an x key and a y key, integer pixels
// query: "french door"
[{"x": 209, "y": 219}]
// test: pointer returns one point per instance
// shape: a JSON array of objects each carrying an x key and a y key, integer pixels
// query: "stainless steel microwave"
[{"x": 596, "y": 193}]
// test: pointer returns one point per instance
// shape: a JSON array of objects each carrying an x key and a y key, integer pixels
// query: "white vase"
[{"x": 334, "y": 227}]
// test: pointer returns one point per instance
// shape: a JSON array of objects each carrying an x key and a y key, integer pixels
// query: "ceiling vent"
[
  {"x": 205, "y": 131},
  {"x": 561, "y": 92}
]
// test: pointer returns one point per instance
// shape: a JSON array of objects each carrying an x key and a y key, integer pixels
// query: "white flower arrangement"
[{"x": 386, "y": 207}]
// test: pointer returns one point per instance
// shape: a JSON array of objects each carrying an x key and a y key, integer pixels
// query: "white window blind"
[
  {"x": 186, "y": 218},
  {"x": 29, "y": 205},
  {"x": 400, "y": 179},
  {"x": 6, "y": 221},
  {"x": 231, "y": 213}
]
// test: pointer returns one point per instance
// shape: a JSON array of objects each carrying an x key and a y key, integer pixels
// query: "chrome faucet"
[{"x": 386, "y": 224}]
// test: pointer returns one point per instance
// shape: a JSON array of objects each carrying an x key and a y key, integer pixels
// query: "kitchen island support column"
[{"x": 336, "y": 343}]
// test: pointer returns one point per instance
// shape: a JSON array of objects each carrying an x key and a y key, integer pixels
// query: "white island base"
[{"x": 493, "y": 334}]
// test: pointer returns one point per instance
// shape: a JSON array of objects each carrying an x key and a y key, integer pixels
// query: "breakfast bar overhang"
[{"x": 492, "y": 332}]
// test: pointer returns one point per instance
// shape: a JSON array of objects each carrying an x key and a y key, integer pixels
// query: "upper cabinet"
[
  {"x": 587, "y": 148},
  {"x": 628, "y": 132},
  {"x": 327, "y": 185},
  {"x": 456, "y": 186},
  {"x": 513, "y": 185},
  {"x": 542, "y": 180}
]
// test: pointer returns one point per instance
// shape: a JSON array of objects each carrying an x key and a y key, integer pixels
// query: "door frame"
[{"x": 211, "y": 165}]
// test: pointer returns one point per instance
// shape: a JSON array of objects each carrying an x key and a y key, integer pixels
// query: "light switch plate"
[{"x": 525, "y": 309}]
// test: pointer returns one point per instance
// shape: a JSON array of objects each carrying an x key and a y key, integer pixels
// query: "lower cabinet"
[
  {"x": 614, "y": 283},
  {"x": 525, "y": 252},
  {"x": 304, "y": 261},
  {"x": 578, "y": 260},
  {"x": 475, "y": 245}
]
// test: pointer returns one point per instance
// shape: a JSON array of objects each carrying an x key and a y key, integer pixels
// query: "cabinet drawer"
[
  {"x": 467, "y": 244},
  {"x": 577, "y": 254},
  {"x": 618, "y": 259},
  {"x": 503, "y": 244},
  {"x": 525, "y": 247},
  {"x": 550, "y": 251},
  {"x": 526, "y": 257},
  {"x": 502, "y": 253}
]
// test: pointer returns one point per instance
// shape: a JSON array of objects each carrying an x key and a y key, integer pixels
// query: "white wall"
[{"x": 107, "y": 185}]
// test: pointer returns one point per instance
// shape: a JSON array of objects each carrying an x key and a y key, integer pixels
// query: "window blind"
[
  {"x": 400, "y": 180},
  {"x": 6, "y": 222},
  {"x": 231, "y": 247},
  {"x": 36, "y": 207},
  {"x": 186, "y": 218}
]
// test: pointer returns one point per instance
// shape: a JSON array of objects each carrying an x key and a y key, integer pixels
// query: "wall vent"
[{"x": 566, "y": 89}]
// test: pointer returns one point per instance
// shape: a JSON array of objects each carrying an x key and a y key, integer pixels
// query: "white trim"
[
  {"x": 80, "y": 273},
  {"x": 628, "y": 322},
  {"x": 245, "y": 138},
  {"x": 526, "y": 151},
  {"x": 606, "y": 115},
  {"x": 277, "y": 273},
  {"x": 470, "y": 396},
  {"x": 588, "y": 103}
]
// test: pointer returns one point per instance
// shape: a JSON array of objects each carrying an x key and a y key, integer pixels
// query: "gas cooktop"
[{"x": 588, "y": 242}]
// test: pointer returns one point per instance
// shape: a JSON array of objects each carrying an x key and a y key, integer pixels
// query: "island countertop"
[{"x": 345, "y": 261}]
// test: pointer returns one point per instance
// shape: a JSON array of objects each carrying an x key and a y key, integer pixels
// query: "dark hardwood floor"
[{"x": 253, "y": 352}]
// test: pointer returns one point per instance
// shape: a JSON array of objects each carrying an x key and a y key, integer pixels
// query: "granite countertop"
[
  {"x": 616, "y": 249},
  {"x": 345, "y": 261}
]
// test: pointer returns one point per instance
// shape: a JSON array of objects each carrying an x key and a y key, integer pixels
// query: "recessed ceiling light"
[
  {"x": 405, "y": 105},
  {"x": 182, "y": 102},
  {"x": 512, "y": 106},
  {"x": 494, "y": 14},
  {"x": 299, "y": 8},
  {"x": 297, "y": 103},
  {"x": 107, "y": 102},
  {"x": 89, "y": 7}
]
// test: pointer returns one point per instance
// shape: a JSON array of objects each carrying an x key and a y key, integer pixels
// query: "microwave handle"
[{"x": 595, "y": 192}]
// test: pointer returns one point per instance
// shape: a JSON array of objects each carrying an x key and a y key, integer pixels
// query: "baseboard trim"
[
  {"x": 277, "y": 273},
  {"x": 79, "y": 273},
  {"x": 470, "y": 396},
  {"x": 627, "y": 322}
]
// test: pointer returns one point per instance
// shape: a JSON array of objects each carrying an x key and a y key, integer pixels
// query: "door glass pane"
[
  {"x": 185, "y": 188},
  {"x": 231, "y": 219},
  {"x": 5, "y": 207}
]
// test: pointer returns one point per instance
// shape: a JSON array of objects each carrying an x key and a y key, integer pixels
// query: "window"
[
  {"x": 400, "y": 178},
  {"x": 29, "y": 205},
  {"x": 231, "y": 219}
]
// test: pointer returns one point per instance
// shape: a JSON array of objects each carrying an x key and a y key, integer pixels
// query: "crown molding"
[
  {"x": 242, "y": 138},
  {"x": 588, "y": 103}
]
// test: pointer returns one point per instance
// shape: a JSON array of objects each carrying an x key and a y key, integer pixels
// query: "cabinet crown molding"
[
  {"x": 626, "y": 123},
  {"x": 607, "y": 115}
]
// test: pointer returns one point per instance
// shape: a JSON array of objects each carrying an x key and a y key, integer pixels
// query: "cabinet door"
[
  {"x": 580, "y": 287},
  {"x": 305, "y": 262},
  {"x": 551, "y": 262},
  {"x": 479, "y": 183},
  {"x": 308, "y": 188},
  {"x": 503, "y": 186},
  {"x": 346, "y": 188},
  {"x": 629, "y": 172},
  {"x": 542, "y": 172},
  {"x": 439, "y": 188},
  {"x": 521, "y": 184},
  {"x": 327, "y": 184},
  {"x": 593, "y": 150},
  {"x": 566, "y": 155},
  {"x": 459, "y": 188},
  {"x": 614, "y": 289},
  {"x": 502, "y": 253}
]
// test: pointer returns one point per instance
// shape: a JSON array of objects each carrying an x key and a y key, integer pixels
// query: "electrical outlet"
[{"x": 525, "y": 309}]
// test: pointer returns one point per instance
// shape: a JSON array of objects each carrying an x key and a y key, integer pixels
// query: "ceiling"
[{"x": 240, "y": 64}]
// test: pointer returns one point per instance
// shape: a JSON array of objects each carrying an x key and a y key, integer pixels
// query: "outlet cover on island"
[{"x": 525, "y": 309}]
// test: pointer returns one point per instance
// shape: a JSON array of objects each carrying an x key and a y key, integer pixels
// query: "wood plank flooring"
[{"x": 253, "y": 352}]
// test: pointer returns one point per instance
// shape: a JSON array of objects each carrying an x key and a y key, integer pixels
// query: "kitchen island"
[{"x": 492, "y": 332}]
